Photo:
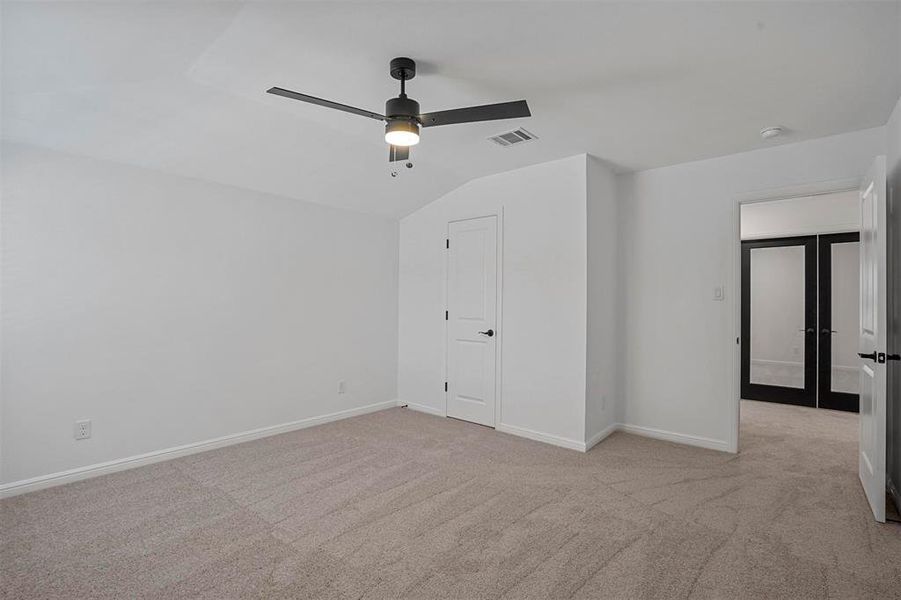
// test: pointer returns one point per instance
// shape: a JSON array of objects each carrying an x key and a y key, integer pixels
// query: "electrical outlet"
[
  {"x": 83, "y": 429},
  {"x": 342, "y": 387}
]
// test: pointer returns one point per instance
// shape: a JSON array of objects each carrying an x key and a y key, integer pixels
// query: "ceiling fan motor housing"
[{"x": 402, "y": 107}]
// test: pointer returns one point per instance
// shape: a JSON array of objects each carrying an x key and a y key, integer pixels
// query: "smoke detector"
[{"x": 769, "y": 133}]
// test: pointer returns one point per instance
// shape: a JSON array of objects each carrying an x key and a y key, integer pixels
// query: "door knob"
[
  {"x": 871, "y": 355},
  {"x": 489, "y": 333},
  {"x": 825, "y": 331},
  {"x": 808, "y": 330}
]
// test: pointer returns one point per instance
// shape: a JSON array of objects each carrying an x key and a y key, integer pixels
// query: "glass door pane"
[
  {"x": 845, "y": 316},
  {"x": 778, "y": 335}
]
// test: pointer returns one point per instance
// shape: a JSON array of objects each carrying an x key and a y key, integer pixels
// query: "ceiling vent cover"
[{"x": 512, "y": 138}]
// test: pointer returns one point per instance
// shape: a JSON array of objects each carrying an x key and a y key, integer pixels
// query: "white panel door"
[
  {"x": 471, "y": 319},
  {"x": 873, "y": 336}
]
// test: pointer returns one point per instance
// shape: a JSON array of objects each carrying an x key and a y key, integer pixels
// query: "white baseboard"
[
  {"x": 679, "y": 438},
  {"x": 776, "y": 363},
  {"x": 541, "y": 437},
  {"x": 45, "y": 481},
  {"x": 600, "y": 436},
  {"x": 422, "y": 408}
]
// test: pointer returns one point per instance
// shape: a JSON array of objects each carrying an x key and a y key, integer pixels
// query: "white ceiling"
[{"x": 179, "y": 87}]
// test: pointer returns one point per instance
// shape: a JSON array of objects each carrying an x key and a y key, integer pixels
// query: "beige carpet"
[{"x": 399, "y": 504}]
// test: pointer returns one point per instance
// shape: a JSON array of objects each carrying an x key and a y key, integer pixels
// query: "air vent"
[{"x": 511, "y": 138}]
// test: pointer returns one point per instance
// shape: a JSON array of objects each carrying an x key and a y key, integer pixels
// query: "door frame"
[
  {"x": 806, "y": 396},
  {"x": 499, "y": 327},
  {"x": 733, "y": 343},
  {"x": 833, "y": 400}
]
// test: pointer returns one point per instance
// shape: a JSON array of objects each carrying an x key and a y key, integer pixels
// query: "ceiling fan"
[{"x": 402, "y": 116}]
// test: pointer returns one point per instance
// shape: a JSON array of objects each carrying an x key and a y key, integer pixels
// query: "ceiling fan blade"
[
  {"x": 396, "y": 153},
  {"x": 472, "y": 114},
  {"x": 326, "y": 103}
]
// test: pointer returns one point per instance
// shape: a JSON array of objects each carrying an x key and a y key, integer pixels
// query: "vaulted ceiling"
[{"x": 179, "y": 86}]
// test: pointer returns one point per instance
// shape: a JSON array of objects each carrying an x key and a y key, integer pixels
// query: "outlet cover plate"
[{"x": 83, "y": 429}]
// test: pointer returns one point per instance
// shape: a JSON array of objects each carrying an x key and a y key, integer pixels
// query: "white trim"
[
  {"x": 600, "y": 436},
  {"x": 799, "y": 191},
  {"x": 541, "y": 437},
  {"x": 422, "y": 408},
  {"x": 649, "y": 432},
  {"x": 781, "y": 363},
  {"x": 45, "y": 481},
  {"x": 679, "y": 438},
  {"x": 735, "y": 334},
  {"x": 845, "y": 228}
]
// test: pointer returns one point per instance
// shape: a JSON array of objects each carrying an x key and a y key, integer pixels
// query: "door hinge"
[
  {"x": 447, "y": 243},
  {"x": 445, "y": 386},
  {"x": 445, "y": 315}
]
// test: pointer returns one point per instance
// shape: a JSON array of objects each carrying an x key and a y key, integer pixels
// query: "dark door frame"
[
  {"x": 828, "y": 398},
  {"x": 774, "y": 393}
]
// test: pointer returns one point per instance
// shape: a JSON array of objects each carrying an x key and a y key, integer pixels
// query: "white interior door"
[
  {"x": 873, "y": 290},
  {"x": 471, "y": 319}
]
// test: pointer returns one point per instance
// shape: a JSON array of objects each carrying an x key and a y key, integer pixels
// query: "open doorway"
[
  {"x": 798, "y": 289},
  {"x": 799, "y": 304}
]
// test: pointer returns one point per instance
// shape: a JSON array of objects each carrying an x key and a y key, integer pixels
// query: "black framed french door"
[
  {"x": 779, "y": 320},
  {"x": 839, "y": 310}
]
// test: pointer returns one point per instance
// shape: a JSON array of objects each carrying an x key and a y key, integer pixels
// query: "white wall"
[
  {"x": 808, "y": 215},
  {"x": 544, "y": 303},
  {"x": 679, "y": 242},
  {"x": 171, "y": 311},
  {"x": 604, "y": 365}
]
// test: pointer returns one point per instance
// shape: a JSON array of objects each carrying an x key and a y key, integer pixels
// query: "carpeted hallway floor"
[{"x": 398, "y": 504}]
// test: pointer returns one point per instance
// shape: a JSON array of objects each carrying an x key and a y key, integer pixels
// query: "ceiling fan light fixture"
[
  {"x": 402, "y": 132},
  {"x": 403, "y": 116}
]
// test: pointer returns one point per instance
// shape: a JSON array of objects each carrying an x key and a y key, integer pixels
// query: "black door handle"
[
  {"x": 827, "y": 331},
  {"x": 871, "y": 355},
  {"x": 808, "y": 330},
  {"x": 489, "y": 333}
]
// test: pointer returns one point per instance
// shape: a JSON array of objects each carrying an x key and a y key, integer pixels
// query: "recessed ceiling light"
[{"x": 771, "y": 132}]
